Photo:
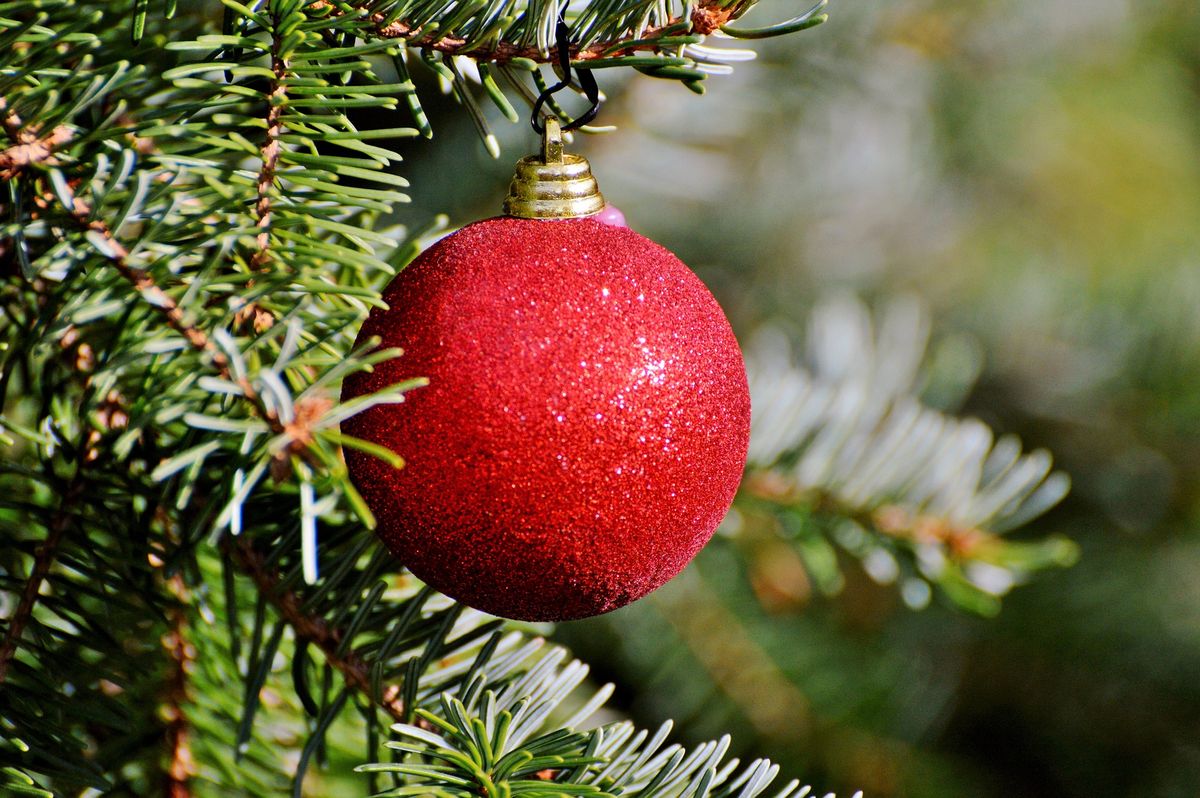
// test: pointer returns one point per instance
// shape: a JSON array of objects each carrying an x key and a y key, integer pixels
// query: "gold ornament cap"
[{"x": 553, "y": 185}]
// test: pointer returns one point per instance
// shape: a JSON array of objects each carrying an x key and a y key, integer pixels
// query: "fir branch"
[
  {"x": 842, "y": 448},
  {"x": 43, "y": 559},
  {"x": 707, "y": 17},
  {"x": 315, "y": 630},
  {"x": 145, "y": 284}
]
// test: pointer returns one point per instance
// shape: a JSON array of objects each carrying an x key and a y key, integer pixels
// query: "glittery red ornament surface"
[{"x": 585, "y": 424}]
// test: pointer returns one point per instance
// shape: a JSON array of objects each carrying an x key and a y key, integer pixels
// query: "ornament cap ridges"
[{"x": 553, "y": 184}]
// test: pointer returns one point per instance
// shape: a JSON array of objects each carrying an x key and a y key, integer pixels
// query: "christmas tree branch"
[
  {"x": 145, "y": 284},
  {"x": 810, "y": 514},
  {"x": 707, "y": 16},
  {"x": 825, "y": 443},
  {"x": 316, "y": 631},
  {"x": 43, "y": 559}
]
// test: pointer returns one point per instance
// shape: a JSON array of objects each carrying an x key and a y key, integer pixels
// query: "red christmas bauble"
[{"x": 585, "y": 424}]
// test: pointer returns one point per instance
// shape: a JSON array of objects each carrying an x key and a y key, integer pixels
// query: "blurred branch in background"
[{"x": 842, "y": 453}]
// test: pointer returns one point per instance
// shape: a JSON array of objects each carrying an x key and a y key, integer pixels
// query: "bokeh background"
[{"x": 1030, "y": 171}]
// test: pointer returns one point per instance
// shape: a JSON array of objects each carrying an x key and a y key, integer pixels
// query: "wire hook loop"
[{"x": 587, "y": 82}]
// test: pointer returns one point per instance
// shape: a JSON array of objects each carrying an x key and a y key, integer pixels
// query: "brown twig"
[
  {"x": 707, "y": 16},
  {"x": 43, "y": 558},
  {"x": 893, "y": 520},
  {"x": 270, "y": 155},
  {"x": 27, "y": 147},
  {"x": 11, "y": 121},
  {"x": 182, "y": 654},
  {"x": 30, "y": 149},
  {"x": 354, "y": 670}
]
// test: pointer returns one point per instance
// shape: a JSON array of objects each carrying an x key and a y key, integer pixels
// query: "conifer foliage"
[{"x": 194, "y": 227}]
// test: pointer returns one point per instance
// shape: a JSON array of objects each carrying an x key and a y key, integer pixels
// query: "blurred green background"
[{"x": 1031, "y": 170}]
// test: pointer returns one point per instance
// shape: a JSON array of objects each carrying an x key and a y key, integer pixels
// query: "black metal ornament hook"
[{"x": 587, "y": 82}]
